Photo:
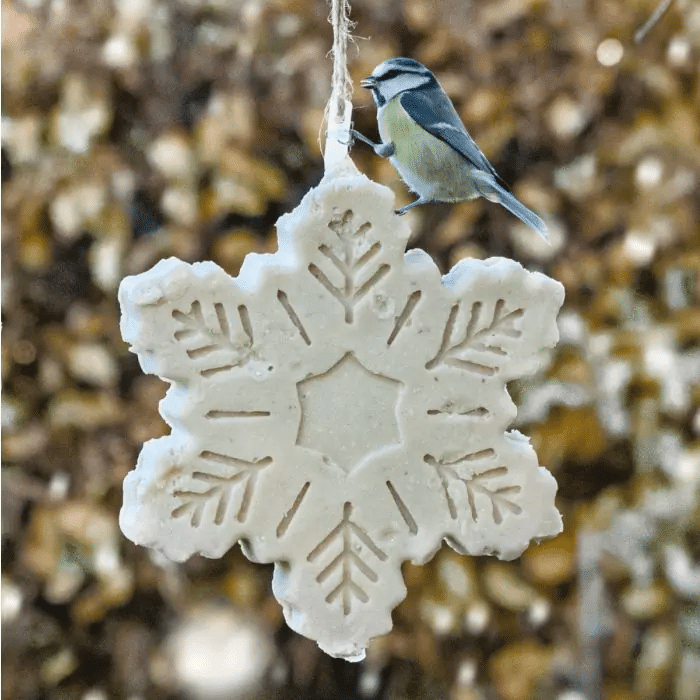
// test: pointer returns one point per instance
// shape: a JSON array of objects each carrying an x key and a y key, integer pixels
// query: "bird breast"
[{"x": 427, "y": 165}]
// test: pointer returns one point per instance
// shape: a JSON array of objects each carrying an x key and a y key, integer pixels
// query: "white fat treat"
[{"x": 341, "y": 408}]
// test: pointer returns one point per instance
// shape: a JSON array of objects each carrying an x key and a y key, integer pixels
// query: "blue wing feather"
[{"x": 433, "y": 111}]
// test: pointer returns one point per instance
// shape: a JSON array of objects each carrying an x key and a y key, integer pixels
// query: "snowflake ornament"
[{"x": 339, "y": 408}]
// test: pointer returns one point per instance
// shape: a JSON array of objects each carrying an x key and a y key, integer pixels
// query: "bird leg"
[
  {"x": 385, "y": 150},
  {"x": 415, "y": 203}
]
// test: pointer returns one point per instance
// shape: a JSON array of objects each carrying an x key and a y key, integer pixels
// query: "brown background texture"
[{"x": 133, "y": 130}]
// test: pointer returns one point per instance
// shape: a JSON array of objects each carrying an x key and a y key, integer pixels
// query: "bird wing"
[{"x": 433, "y": 111}]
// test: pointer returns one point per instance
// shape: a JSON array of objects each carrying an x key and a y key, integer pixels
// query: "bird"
[{"x": 427, "y": 143}]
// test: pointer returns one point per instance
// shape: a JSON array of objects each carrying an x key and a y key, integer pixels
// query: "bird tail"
[{"x": 490, "y": 189}]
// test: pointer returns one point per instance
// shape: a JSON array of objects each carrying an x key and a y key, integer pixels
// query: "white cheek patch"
[{"x": 400, "y": 83}]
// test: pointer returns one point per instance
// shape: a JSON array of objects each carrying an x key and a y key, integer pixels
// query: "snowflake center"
[{"x": 348, "y": 413}]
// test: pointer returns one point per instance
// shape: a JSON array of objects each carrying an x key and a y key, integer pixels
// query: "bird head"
[{"x": 394, "y": 76}]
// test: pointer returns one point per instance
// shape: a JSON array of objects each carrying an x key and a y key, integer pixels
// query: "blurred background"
[{"x": 133, "y": 130}]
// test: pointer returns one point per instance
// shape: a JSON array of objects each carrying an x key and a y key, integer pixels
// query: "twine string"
[
  {"x": 339, "y": 107},
  {"x": 341, "y": 86}
]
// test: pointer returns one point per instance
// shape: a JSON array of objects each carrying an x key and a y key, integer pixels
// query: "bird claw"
[{"x": 385, "y": 150}]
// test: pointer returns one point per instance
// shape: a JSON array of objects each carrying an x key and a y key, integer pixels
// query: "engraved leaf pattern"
[
  {"x": 488, "y": 339},
  {"x": 359, "y": 272},
  {"x": 219, "y": 489},
  {"x": 501, "y": 498},
  {"x": 347, "y": 569},
  {"x": 212, "y": 344},
  {"x": 339, "y": 409}
]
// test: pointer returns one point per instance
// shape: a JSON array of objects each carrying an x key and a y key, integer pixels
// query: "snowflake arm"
[
  {"x": 502, "y": 336},
  {"x": 495, "y": 497},
  {"x": 175, "y": 335}
]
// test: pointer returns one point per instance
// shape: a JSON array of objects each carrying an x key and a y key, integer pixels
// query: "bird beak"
[{"x": 369, "y": 82}]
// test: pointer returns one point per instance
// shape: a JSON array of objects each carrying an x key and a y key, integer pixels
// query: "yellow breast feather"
[{"x": 423, "y": 161}]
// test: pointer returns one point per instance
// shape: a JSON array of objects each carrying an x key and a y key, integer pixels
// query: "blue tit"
[{"x": 426, "y": 141}]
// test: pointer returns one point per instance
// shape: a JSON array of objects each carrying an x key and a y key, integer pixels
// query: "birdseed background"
[{"x": 137, "y": 129}]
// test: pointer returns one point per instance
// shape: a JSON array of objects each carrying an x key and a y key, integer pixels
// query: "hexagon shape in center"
[{"x": 348, "y": 413}]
